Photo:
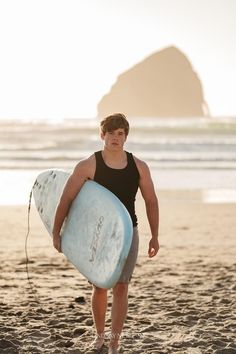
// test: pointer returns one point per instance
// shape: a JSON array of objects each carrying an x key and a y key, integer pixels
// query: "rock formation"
[{"x": 162, "y": 85}]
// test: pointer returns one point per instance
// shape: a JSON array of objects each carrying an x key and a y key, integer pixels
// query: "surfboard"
[{"x": 97, "y": 233}]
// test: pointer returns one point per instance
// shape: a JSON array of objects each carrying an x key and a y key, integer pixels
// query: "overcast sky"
[{"x": 59, "y": 57}]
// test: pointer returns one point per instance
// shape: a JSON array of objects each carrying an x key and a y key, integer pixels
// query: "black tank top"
[{"x": 122, "y": 182}]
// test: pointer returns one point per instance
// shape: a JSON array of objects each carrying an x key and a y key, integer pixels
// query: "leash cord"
[{"x": 31, "y": 284}]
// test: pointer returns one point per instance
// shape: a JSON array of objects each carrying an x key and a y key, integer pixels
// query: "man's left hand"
[{"x": 153, "y": 247}]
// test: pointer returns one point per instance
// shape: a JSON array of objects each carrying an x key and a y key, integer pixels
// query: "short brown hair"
[{"x": 113, "y": 122}]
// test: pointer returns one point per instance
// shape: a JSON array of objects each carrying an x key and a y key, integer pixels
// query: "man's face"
[{"x": 115, "y": 139}]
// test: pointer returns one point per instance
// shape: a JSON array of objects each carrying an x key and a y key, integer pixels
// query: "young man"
[{"x": 123, "y": 174}]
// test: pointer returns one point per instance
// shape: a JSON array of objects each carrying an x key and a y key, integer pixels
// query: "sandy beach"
[
  {"x": 183, "y": 301},
  {"x": 170, "y": 68}
]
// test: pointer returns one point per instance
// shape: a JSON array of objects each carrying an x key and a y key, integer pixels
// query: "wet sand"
[{"x": 183, "y": 301}]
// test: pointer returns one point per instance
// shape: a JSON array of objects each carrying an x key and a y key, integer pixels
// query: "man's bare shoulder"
[
  {"x": 86, "y": 167},
  {"x": 86, "y": 161},
  {"x": 141, "y": 165}
]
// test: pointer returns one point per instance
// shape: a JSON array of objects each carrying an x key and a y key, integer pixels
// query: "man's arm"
[
  {"x": 151, "y": 203},
  {"x": 75, "y": 182}
]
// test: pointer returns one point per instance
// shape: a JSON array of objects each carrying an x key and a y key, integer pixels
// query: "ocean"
[{"x": 188, "y": 153}]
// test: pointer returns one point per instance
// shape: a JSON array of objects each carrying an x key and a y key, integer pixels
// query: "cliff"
[{"x": 162, "y": 85}]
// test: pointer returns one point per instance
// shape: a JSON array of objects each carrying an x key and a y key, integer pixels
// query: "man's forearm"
[
  {"x": 61, "y": 213},
  {"x": 152, "y": 210}
]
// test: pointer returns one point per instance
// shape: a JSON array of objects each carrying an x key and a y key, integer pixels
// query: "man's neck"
[{"x": 114, "y": 154}]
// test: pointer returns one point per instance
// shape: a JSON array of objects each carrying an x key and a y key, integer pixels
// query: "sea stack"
[{"x": 162, "y": 85}]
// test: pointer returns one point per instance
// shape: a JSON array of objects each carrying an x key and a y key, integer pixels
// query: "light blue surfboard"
[{"x": 96, "y": 235}]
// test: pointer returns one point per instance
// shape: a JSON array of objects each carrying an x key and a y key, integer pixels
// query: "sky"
[{"x": 59, "y": 57}]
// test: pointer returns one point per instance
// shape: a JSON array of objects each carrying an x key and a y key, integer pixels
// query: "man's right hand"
[{"x": 57, "y": 242}]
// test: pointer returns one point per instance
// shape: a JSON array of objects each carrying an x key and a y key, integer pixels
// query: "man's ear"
[{"x": 102, "y": 135}]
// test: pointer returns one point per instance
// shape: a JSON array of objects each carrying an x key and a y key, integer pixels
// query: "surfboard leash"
[{"x": 31, "y": 284}]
